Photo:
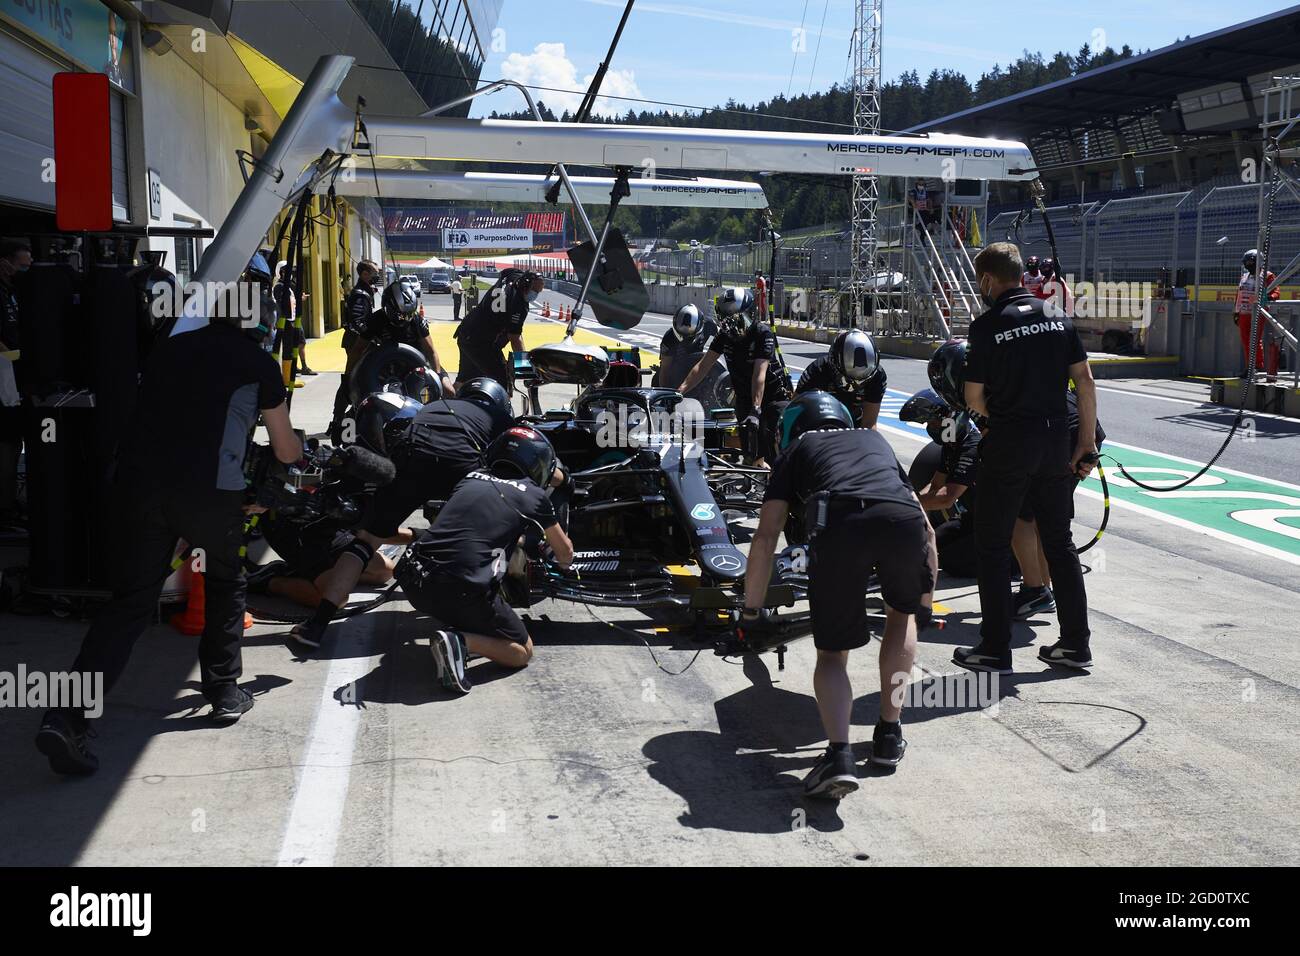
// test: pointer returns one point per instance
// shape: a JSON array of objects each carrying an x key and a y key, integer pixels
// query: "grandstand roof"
[{"x": 1249, "y": 52}]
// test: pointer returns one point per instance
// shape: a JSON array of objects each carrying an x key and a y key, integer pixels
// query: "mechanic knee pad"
[{"x": 361, "y": 551}]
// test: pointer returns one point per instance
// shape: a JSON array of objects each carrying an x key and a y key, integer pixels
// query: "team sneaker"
[
  {"x": 307, "y": 634},
  {"x": 1032, "y": 601},
  {"x": 832, "y": 775},
  {"x": 231, "y": 703},
  {"x": 978, "y": 658},
  {"x": 63, "y": 741},
  {"x": 448, "y": 649},
  {"x": 887, "y": 746},
  {"x": 258, "y": 580},
  {"x": 1059, "y": 653}
]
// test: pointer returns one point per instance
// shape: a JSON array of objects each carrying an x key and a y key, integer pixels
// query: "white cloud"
[{"x": 549, "y": 66}]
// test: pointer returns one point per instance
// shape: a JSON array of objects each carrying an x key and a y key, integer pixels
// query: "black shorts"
[
  {"x": 312, "y": 550},
  {"x": 420, "y": 478},
  {"x": 888, "y": 538},
  {"x": 456, "y": 606}
]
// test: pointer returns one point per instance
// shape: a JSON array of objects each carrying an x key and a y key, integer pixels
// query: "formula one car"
[{"x": 659, "y": 486}]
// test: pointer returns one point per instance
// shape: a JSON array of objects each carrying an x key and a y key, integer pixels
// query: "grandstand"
[{"x": 1176, "y": 117}]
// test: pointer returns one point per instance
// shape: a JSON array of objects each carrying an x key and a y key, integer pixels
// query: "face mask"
[{"x": 988, "y": 299}]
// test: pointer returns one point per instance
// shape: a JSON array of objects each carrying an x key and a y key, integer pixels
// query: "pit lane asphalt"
[{"x": 1178, "y": 748}]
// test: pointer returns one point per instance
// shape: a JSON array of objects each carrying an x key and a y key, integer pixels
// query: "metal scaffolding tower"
[{"x": 866, "y": 122}]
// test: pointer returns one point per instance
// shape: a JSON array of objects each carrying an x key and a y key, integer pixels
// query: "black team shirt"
[
  {"x": 820, "y": 376},
  {"x": 456, "y": 431},
  {"x": 478, "y": 528},
  {"x": 200, "y": 396},
  {"x": 758, "y": 343},
  {"x": 1022, "y": 357},
  {"x": 498, "y": 316},
  {"x": 847, "y": 462}
]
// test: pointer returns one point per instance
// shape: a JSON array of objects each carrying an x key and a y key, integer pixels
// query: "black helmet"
[
  {"x": 380, "y": 416},
  {"x": 687, "y": 323},
  {"x": 1049, "y": 267},
  {"x": 1250, "y": 261},
  {"x": 488, "y": 391},
  {"x": 949, "y": 429},
  {"x": 811, "y": 411},
  {"x": 1031, "y": 265},
  {"x": 853, "y": 356},
  {"x": 924, "y": 407},
  {"x": 521, "y": 452},
  {"x": 422, "y": 385},
  {"x": 947, "y": 372},
  {"x": 399, "y": 301}
]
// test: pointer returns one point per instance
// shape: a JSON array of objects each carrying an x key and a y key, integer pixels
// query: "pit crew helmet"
[
  {"x": 947, "y": 372},
  {"x": 521, "y": 452},
  {"x": 812, "y": 411},
  {"x": 688, "y": 323},
  {"x": 487, "y": 391},
  {"x": 381, "y": 416},
  {"x": 853, "y": 357}
]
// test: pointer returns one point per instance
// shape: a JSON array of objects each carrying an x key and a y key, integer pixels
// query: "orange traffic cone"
[
  {"x": 546, "y": 310},
  {"x": 191, "y": 621}
]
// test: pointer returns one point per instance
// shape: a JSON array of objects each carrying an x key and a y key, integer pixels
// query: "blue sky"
[{"x": 705, "y": 52}]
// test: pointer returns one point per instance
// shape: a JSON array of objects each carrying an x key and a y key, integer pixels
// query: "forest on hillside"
[{"x": 801, "y": 201}]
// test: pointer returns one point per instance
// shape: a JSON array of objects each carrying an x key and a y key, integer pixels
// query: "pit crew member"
[
  {"x": 851, "y": 371},
  {"x": 872, "y": 523},
  {"x": 453, "y": 571}
]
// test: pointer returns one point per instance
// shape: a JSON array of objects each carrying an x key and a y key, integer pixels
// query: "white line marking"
[
  {"x": 1191, "y": 526},
  {"x": 1187, "y": 401},
  {"x": 311, "y": 836},
  {"x": 1200, "y": 464}
]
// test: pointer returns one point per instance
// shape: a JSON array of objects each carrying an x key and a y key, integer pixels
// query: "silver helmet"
[
  {"x": 687, "y": 323},
  {"x": 853, "y": 356}
]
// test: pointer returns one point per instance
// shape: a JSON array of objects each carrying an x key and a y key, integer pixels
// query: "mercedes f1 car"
[{"x": 658, "y": 501}]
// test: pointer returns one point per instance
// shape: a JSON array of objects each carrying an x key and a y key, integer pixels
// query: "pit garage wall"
[{"x": 190, "y": 133}]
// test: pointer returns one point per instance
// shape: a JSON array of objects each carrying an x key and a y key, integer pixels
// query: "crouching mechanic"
[
  {"x": 443, "y": 443},
  {"x": 851, "y": 371},
  {"x": 453, "y": 571},
  {"x": 949, "y": 494},
  {"x": 873, "y": 523},
  {"x": 682, "y": 347},
  {"x": 758, "y": 373},
  {"x": 308, "y": 552}
]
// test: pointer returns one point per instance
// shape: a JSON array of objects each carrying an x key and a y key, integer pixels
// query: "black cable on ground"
[{"x": 262, "y": 617}]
